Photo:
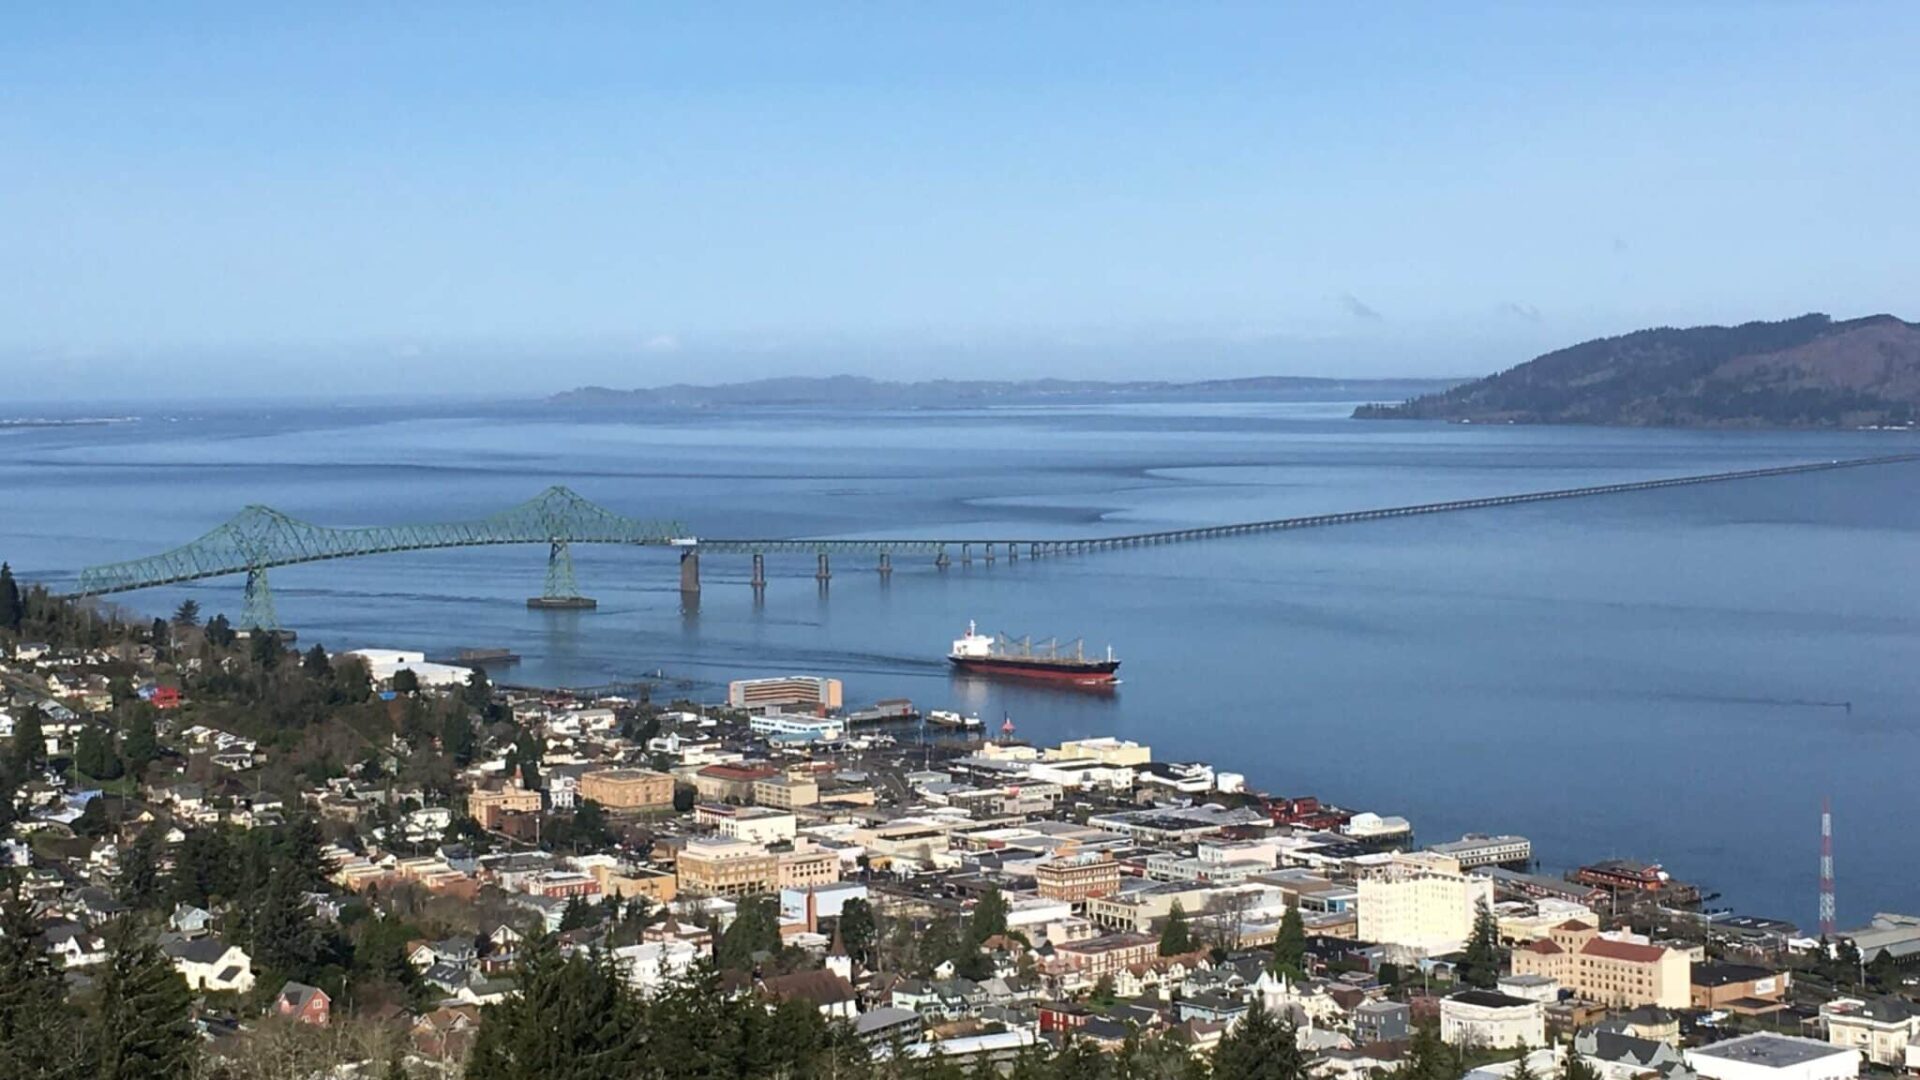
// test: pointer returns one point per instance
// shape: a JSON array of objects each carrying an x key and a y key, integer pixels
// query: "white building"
[
  {"x": 651, "y": 965},
  {"x": 384, "y": 664},
  {"x": 1881, "y": 1028},
  {"x": 1773, "y": 1057},
  {"x": 1420, "y": 903},
  {"x": 211, "y": 965},
  {"x": 1490, "y": 1020},
  {"x": 791, "y": 726}
]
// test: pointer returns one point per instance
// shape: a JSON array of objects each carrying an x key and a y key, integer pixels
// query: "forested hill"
[{"x": 1804, "y": 372}]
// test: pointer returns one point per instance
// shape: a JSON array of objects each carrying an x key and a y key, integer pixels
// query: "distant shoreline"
[{"x": 856, "y": 391}]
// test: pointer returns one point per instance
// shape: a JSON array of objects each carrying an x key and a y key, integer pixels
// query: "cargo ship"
[{"x": 979, "y": 654}]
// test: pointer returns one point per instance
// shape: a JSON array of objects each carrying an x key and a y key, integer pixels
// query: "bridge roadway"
[
  {"x": 1054, "y": 546},
  {"x": 259, "y": 538}
]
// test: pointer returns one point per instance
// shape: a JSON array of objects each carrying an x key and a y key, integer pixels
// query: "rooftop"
[{"x": 1772, "y": 1051}]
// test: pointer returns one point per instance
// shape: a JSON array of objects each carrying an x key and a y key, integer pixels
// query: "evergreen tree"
[
  {"x": 285, "y": 940},
  {"x": 1260, "y": 1047},
  {"x": 1523, "y": 1069},
  {"x": 405, "y": 681},
  {"x": 27, "y": 757},
  {"x": 12, "y": 608},
  {"x": 316, "y": 664},
  {"x": 683, "y": 799},
  {"x": 1176, "y": 937},
  {"x": 1576, "y": 1067},
  {"x": 578, "y": 915},
  {"x": 755, "y": 929},
  {"x": 989, "y": 917},
  {"x": 301, "y": 843},
  {"x": 1430, "y": 1059},
  {"x": 139, "y": 881},
  {"x": 93, "y": 754},
  {"x": 457, "y": 740},
  {"x": 265, "y": 648},
  {"x": 38, "y": 1039},
  {"x": 858, "y": 930},
  {"x": 142, "y": 1029},
  {"x": 158, "y": 634},
  {"x": 571, "y": 1020},
  {"x": 220, "y": 632},
  {"x": 1290, "y": 946},
  {"x": 1480, "y": 966},
  {"x": 479, "y": 689},
  {"x": 139, "y": 746},
  {"x": 187, "y": 614}
]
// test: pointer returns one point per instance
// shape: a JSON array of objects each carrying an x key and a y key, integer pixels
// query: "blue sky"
[{"x": 303, "y": 199}]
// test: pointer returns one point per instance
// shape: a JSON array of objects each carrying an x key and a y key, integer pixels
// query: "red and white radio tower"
[{"x": 1826, "y": 868}]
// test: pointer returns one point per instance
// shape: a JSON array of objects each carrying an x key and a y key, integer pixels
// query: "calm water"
[{"x": 1655, "y": 675}]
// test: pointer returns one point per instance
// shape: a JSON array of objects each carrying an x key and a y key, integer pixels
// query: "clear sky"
[{"x": 319, "y": 198}]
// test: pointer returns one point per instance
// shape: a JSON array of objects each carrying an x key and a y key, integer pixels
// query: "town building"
[
  {"x": 806, "y": 866},
  {"x": 1613, "y": 970},
  {"x": 488, "y": 807},
  {"x": 786, "y": 792},
  {"x": 726, "y": 868},
  {"x": 304, "y": 1004},
  {"x": 805, "y": 693},
  {"x": 756, "y": 824},
  {"x": 1489, "y": 1020},
  {"x": 1881, "y": 1028},
  {"x": 1766, "y": 1056},
  {"x": 730, "y": 783},
  {"x": 797, "y": 727},
  {"x": 1740, "y": 988},
  {"x": 1420, "y": 903},
  {"x": 628, "y": 789},
  {"x": 1077, "y": 876}
]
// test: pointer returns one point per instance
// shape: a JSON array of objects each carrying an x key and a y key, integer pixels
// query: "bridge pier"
[
  {"x": 1033, "y": 552},
  {"x": 690, "y": 570},
  {"x": 759, "y": 571},
  {"x": 942, "y": 560},
  {"x": 1013, "y": 551},
  {"x": 886, "y": 566},
  {"x": 989, "y": 553},
  {"x": 825, "y": 573},
  {"x": 966, "y": 554},
  {"x": 562, "y": 592}
]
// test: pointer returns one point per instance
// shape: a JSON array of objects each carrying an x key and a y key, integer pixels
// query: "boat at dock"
[
  {"x": 996, "y": 655},
  {"x": 945, "y": 718}
]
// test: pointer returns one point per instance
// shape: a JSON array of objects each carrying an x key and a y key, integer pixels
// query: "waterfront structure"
[
  {"x": 796, "y": 726},
  {"x": 488, "y": 806},
  {"x": 627, "y": 789},
  {"x": 1623, "y": 877},
  {"x": 1888, "y": 932},
  {"x": 1077, "y": 877},
  {"x": 1609, "y": 969},
  {"x": 1420, "y": 903},
  {"x": 726, "y": 868},
  {"x": 1765, "y": 1056},
  {"x": 1881, "y": 1028},
  {"x": 804, "y": 693},
  {"x": 1475, "y": 850},
  {"x": 1489, "y": 1020}
]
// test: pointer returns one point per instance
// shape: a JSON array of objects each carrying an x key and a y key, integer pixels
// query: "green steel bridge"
[{"x": 260, "y": 538}]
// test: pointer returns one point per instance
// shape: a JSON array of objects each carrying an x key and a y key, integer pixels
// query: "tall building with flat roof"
[
  {"x": 627, "y": 789},
  {"x": 1765, "y": 1056},
  {"x": 1421, "y": 903},
  {"x": 809, "y": 693}
]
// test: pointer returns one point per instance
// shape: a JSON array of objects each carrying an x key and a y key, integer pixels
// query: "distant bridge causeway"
[{"x": 260, "y": 538}]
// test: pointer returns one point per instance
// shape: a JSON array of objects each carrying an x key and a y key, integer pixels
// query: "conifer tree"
[
  {"x": 142, "y": 1028},
  {"x": 1290, "y": 946},
  {"x": 139, "y": 880},
  {"x": 27, "y": 757},
  {"x": 1480, "y": 967},
  {"x": 12, "y": 609},
  {"x": 1176, "y": 937},
  {"x": 1260, "y": 1047},
  {"x": 37, "y": 1035},
  {"x": 187, "y": 614}
]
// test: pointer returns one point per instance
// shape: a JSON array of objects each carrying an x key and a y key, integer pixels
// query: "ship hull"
[{"x": 1091, "y": 673}]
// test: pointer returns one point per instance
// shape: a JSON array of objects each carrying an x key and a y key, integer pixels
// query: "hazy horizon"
[{"x": 228, "y": 202}]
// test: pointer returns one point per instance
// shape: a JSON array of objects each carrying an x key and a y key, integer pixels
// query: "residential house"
[
  {"x": 211, "y": 965},
  {"x": 1881, "y": 1028},
  {"x": 304, "y": 1004}
]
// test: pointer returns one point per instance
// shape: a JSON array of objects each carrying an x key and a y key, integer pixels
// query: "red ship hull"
[{"x": 1093, "y": 673}]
